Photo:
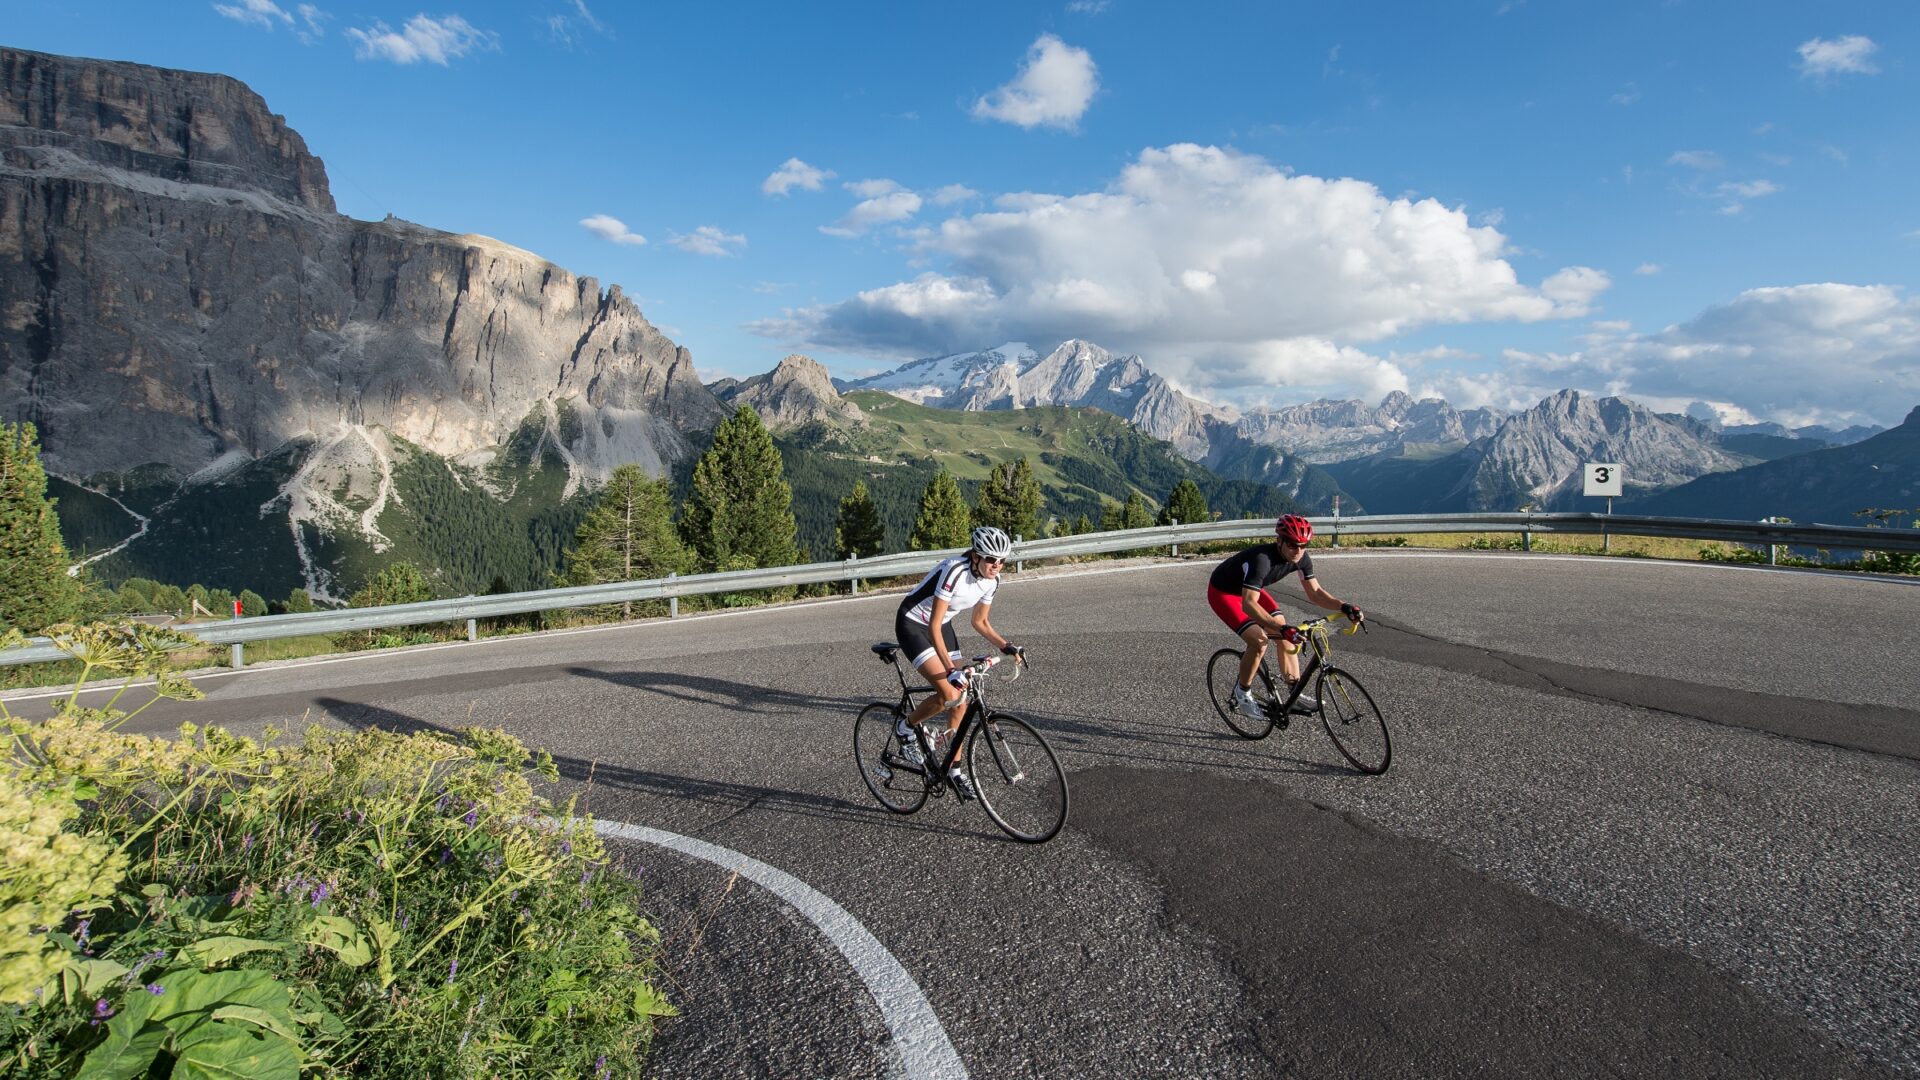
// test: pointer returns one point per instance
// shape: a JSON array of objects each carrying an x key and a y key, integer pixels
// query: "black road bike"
[
  {"x": 1016, "y": 775},
  {"x": 1346, "y": 710}
]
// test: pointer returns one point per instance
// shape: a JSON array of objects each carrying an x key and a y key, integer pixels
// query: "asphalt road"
[{"x": 1643, "y": 819}]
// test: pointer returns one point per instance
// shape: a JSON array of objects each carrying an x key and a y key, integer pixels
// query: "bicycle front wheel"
[
  {"x": 1354, "y": 721},
  {"x": 900, "y": 786},
  {"x": 1223, "y": 678},
  {"x": 1020, "y": 782}
]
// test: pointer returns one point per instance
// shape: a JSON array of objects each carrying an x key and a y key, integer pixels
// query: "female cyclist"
[{"x": 923, "y": 627}]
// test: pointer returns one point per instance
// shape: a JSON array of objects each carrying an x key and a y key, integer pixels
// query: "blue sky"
[{"x": 1488, "y": 201}]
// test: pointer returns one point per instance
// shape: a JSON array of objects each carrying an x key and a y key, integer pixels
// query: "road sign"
[{"x": 1605, "y": 478}]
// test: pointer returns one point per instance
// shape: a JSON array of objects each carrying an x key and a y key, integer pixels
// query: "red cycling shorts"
[{"x": 1233, "y": 611}]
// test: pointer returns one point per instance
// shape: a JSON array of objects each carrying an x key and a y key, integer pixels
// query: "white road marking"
[{"x": 921, "y": 1043}]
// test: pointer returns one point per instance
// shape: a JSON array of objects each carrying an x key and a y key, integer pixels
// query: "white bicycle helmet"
[{"x": 992, "y": 542}]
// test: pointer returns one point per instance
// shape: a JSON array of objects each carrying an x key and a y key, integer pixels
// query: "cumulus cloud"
[
  {"x": 881, "y": 202},
  {"x": 259, "y": 13},
  {"x": 1206, "y": 257},
  {"x": 709, "y": 240},
  {"x": 1850, "y": 55},
  {"x": 1755, "y": 353},
  {"x": 1647, "y": 269},
  {"x": 952, "y": 193},
  {"x": 794, "y": 174},
  {"x": 436, "y": 41},
  {"x": 612, "y": 228},
  {"x": 1053, "y": 89}
]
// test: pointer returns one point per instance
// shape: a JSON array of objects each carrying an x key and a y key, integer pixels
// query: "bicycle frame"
[
  {"x": 1315, "y": 631},
  {"x": 975, "y": 700}
]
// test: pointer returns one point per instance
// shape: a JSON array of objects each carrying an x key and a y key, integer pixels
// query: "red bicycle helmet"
[{"x": 1295, "y": 528}]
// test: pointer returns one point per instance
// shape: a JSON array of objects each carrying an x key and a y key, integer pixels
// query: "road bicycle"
[
  {"x": 1346, "y": 710},
  {"x": 1016, "y": 775}
]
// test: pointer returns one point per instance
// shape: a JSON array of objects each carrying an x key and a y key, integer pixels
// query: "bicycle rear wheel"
[
  {"x": 901, "y": 787},
  {"x": 1223, "y": 678},
  {"x": 1020, "y": 782},
  {"x": 1354, "y": 721}
]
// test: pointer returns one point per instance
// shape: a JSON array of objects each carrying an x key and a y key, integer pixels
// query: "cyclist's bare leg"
[
  {"x": 1290, "y": 662},
  {"x": 945, "y": 695},
  {"x": 1256, "y": 639}
]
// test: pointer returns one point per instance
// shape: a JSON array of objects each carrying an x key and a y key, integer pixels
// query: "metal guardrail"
[{"x": 238, "y": 632}]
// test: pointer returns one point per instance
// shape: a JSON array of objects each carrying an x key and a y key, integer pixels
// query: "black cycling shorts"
[{"x": 916, "y": 640}]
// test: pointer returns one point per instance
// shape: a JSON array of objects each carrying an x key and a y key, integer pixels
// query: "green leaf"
[
  {"x": 132, "y": 1043},
  {"x": 648, "y": 1002},
  {"x": 259, "y": 1018},
  {"x": 190, "y": 994},
  {"x": 86, "y": 978},
  {"x": 209, "y": 952},
  {"x": 338, "y": 935},
  {"x": 220, "y": 1051},
  {"x": 386, "y": 937},
  {"x": 155, "y": 889}
]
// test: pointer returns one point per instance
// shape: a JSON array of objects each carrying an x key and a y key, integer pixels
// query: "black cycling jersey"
[{"x": 1256, "y": 568}]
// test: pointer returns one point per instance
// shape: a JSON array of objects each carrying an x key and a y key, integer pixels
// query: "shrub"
[{"x": 360, "y": 903}]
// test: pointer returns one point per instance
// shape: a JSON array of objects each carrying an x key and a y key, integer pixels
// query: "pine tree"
[
  {"x": 252, "y": 603},
  {"x": 628, "y": 535},
  {"x": 739, "y": 514},
  {"x": 1010, "y": 499},
  {"x": 1185, "y": 504},
  {"x": 170, "y": 599},
  {"x": 299, "y": 600},
  {"x": 859, "y": 532},
  {"x": 1082, "y": 525},
  {"x": 400, "y": 583},
  {"x": 943, "y": 521},
  {"x": 35, "y": 591}
]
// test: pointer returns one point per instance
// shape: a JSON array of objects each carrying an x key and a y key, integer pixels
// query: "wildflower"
[
  {"x": 600, "y": 1067},
  {"x": 566, "y": 847},
  {"x": 440, "y": 803},
  {"x": 445, "y": 854},
  {"x": 463, "y": 1040},
  {"x": 83, "y": 932},
  {"x": 452, "y": 968},
  {"x": 473, "y": 817},
  {"x": 321, "y": 892},
  {"x": 156, "y": 989},
  {"x": 246, "y": 842},
  {"x": 101, "y": 1011}
]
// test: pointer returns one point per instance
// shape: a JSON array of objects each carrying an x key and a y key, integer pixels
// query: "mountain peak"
[{"x": 797, "y": 391}]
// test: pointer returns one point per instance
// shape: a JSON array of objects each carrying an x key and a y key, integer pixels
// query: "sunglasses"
[{"x": 990, "y": 560}]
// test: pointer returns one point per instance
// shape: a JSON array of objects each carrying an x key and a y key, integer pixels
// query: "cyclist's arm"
[
  {"x": 985, "y": 629},
  {"x": 1320, "y": 596},
  {"x": 936, "y": 619}
]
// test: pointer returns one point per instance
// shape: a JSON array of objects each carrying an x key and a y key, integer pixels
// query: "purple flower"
[
  {"x": 600, "y": 1066},
  {"x": 445, "y": 854},
  {"x": 83, "y": 931},
  {"x": 452, "y": 968},
  {"x": 441, "y": 802},
  {"x": 156, "y": 989},
  {"x": 246, "y": 842},
  {"x": 101, "y": 1011},
  {"x": 321, "y": 892},
  {"x": 566, "y": 847},
  {"x": 472, "y": 818}
]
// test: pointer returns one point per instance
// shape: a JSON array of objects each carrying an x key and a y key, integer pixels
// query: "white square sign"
[{"x": 1605, "y": 478}]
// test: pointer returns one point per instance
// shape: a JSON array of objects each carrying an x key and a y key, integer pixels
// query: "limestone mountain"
[
  {"x": 182, "y": 304},
  {"x": 798, "y": 391},
  {"x": 1826, "y": 486}
]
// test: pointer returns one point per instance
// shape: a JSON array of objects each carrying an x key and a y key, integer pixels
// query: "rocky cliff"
[
  {"x": 798, "y": 391},
  {"x": 178, "y": 289}
]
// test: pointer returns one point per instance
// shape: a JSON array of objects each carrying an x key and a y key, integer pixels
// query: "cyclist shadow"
[
  {"x": 735, "y": 696},
  {"x": 722, "y": 794},
  {"x": 1092, "y": 735}
]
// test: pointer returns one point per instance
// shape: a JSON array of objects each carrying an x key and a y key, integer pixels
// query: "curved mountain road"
[{"x": 1643, "y": 819}]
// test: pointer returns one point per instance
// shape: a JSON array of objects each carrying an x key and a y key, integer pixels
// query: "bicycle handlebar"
[{"x": 1352, "y": 628}]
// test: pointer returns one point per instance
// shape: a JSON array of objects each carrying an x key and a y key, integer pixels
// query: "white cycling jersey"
[{"x": 953, "y": 581}]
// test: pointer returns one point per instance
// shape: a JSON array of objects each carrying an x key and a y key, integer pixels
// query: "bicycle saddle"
[{"x": 885, "y": 650}]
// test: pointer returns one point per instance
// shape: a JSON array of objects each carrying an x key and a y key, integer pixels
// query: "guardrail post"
[
  {"x": 1174, "y": 547},
  {"x": 1526, "y": 533},
  {"x": 1020, "y": 565},
  {"x": 473, "y": 629},
  {"x": 853, "y": 579},
  {"x": 239, "y": 655},
  {"x": 673, "y": 602}
]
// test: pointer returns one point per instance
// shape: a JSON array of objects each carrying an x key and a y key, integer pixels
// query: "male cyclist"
[
  {"x": 923, "y": 627},
  {"x": 1237, "y": 592}
]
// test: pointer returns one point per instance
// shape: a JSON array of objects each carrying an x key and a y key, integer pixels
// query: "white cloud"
[
  {"x": 1052, "y": 90},
  {"x": 433, "y": 40},
  {"x": 1755, "y": 353},
  {"x": 1696, "y": 159},
  {"x": 952, "y": 193},
  {"x": 255, "y": 13},
  {"x": 1088, "y": 7},
  {"x": 316, "y": 23},
  {"x": 612, "y": 228},
  {"x": 794, "y": 174},
  {"x": 709, "y": 240},
  {"x": 1849, "y": 55},
  {"x": 1647, "y": 269},
  {"x": 1627, "y": 95},
  {"x": 1197, "y": 252},
  {"x": 1749, "y": 189},
  {"x": 882, "y": 202}
]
